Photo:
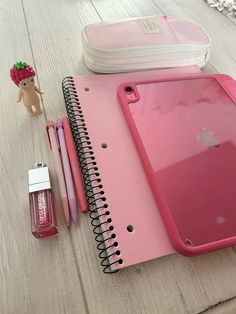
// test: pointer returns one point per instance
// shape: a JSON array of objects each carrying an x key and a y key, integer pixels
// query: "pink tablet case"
[
  {"x": 185, "y": 132},
  {"x": 94, "y": 109}
]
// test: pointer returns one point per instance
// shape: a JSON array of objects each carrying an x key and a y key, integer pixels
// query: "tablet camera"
[{"x": 129, "y": 89}]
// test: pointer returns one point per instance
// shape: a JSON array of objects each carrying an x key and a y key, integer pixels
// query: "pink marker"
[
  {"x": 67, "y": 172},
  {"x": 59, "y": 171},
  {"x": 75, "y": 166}
]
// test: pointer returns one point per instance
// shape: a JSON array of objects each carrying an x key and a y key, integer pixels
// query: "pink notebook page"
[{"x": 127, "y": 191}]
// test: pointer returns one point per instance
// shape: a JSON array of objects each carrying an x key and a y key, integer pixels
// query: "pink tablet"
[{"x": 185, "y": 133}]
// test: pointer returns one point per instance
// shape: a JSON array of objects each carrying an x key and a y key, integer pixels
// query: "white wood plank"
[
  {"x": 111, "y": 10},
  {"x": 35, "y": 276},
  {"x": 172, "y": 284},
  {"x": 221, "y": 30},
  {"x": 225, "y": 306},
  {"x": 57, "y": 45}
]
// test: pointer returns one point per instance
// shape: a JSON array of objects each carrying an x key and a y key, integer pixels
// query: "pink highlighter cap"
[{"x": 58, "y": 123}]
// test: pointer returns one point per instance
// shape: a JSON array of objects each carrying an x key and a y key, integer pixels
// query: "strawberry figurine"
[{"x": 23, "y": 75}]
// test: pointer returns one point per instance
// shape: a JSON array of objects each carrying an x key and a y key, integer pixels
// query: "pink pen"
[
  {"x": 59, "y": 171},
  {"x": 67, "y": 172},
  {"x": 75, "y": 167}
]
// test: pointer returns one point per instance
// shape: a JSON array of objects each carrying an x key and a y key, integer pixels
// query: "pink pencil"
[
  {"x": 60, "y": 176},
  {"x": 75, "y": 167},
  {"x": 67, "y": 172}
]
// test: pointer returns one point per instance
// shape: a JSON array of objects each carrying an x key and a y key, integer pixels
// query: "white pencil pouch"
[{"x": 144, "y": 43}]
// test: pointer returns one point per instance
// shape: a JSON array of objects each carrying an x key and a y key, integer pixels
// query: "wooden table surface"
[{"x": 62, "y": 274}]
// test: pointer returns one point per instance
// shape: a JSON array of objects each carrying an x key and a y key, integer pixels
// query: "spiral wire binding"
[{"x": 91, "y": 177}]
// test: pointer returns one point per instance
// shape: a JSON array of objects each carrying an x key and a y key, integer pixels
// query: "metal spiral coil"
[{"x": 91, "y": 178}]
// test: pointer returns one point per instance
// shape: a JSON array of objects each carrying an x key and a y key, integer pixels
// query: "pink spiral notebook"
[{"x": 126, "y": 221}]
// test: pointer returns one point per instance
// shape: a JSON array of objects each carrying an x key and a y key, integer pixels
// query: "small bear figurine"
[{"x": 23, "y": 75}]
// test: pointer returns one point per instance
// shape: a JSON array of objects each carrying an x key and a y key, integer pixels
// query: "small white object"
[
  {"x": 39, "y": 178},
  {"x": 227, "y": 7},
  {"x": 207, "y": 138}
]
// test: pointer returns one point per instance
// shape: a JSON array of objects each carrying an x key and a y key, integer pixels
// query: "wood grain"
[
  {"x": 34, "y": 275},
  {"x": 220, "y": 29},
  {"x": 62, "y": 274}
]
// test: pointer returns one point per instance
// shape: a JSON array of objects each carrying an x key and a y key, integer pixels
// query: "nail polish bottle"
[{"x": 42, "y": 208}]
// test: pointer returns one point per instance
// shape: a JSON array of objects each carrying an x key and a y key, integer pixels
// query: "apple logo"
[{"x": 207, "y": 138}]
